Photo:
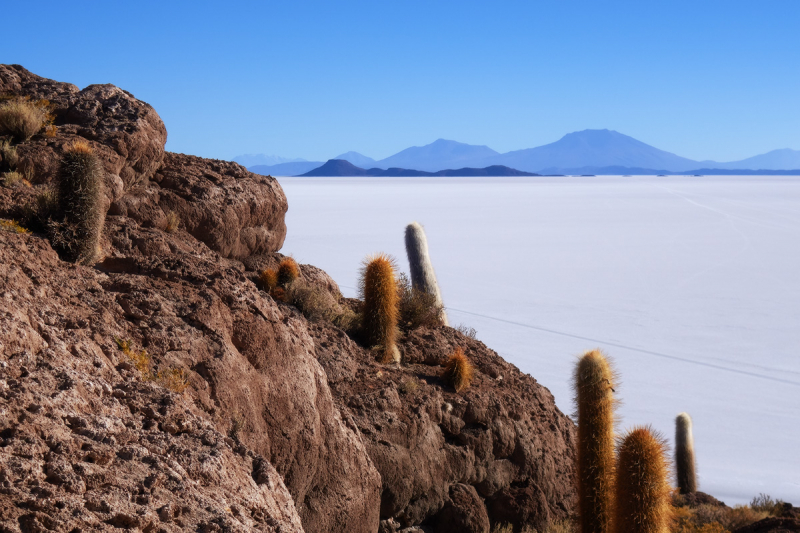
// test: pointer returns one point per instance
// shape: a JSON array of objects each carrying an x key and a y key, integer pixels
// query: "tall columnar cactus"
[
  {"x": 419, "y": 261},
  {"x": 76, "y": 232},
  {"x": 684, "y": 454},
  {"x": 378, "y": 288},
  {"x": 594, "y": 389},
  {"x": 643, "y": 494}
]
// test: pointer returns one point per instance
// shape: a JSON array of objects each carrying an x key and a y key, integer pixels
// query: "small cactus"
[
  {"x": 684, "y": 454},
  {"x": 288, "y": 271},
  {"x": 458, "y": 370},
  {"x": 594, "y": 388},
  {"x": 643, "y": 494},
  {"x": 268, "y": 279},
  {"x": 378, "y": 288},
  {"x": 77, "y": 234},
  {"x": 422, "y": 275}
]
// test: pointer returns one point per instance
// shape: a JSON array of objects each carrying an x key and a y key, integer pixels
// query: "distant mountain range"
[
  {"x": 588, "y": 151},
  {"x": 340, "y": 167},
  {"x": 249, "y": 160}
]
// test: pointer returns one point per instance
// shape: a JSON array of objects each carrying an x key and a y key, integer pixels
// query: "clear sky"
[{"x": 705, "y": 79}]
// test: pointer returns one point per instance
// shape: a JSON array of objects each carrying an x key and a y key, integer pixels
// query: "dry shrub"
[
  {"x": 765, "y": 503},
  {"x": 22, "y": 119},
  {"x": 172, "y": 222},
  {"x": 8, "y": 155},
  {"x": 417, "y": 308},
  {"x": 409, "y": 386},
  {"x": 317, "y": 303},
  {"x": 36, "y": 213},
  {"x": 14, "y": 179},
  {"x": 12, "y": 226},
  {"x": 467, "y": 331},
  {"x": 458, "y": 371},
  {"x": 50, "y": 131},
  {"x": 503, "y": 528},
  {"x": 278, "y": 294},
  {"x": 174, "y": 379}
]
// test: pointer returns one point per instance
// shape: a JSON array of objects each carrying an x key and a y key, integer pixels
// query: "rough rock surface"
[
  {"x": 234, "y": 212},
  {"x": 772, "y": 525},
  {"x": 504, "y": 436},
  {"x": 84, "y": 443},
  {"x": 317, "y": 431},
  {"x": 127, "y": 134}
]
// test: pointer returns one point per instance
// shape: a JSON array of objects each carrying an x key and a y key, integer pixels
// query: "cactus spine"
[
  {"x": 684, "y": 454},
  {"x": 643, "y": 494},
  {"x": 422, "y": 275},
  {"x": 77, "y": 235},
  {"x": 378, "y": 289},
  {"x": 594, "y": 387}
]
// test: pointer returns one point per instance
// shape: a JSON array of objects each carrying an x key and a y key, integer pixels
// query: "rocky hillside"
[{"x": 158, "y": 389}]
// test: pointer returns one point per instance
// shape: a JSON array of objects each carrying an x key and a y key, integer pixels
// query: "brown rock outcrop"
[
  {"x": 317, "y": 431},
  {"x": 234, "y": 212},
  {"x": 84, "y": 443},
  {"x": 504, "y": 436},
  {"x": 127, "y": 134}
]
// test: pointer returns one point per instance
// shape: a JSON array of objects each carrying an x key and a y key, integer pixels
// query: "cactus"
[
  {"x": 288, "y": 271},
  {"x": 423, "y": 277},
  {"x": 643, "y": 494},
  {"x": 76, "y": 235},
  {"x": 458, "y": 370},
  {"x": 268, "y": 279},
  {"x": 684, "y": 454},
  {"x": 594, "y": 387},
  {"x": 378, "y": 288}
]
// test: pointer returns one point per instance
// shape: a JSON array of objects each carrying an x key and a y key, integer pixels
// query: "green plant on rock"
[
  {"x": 594, "y": 383},
  {"x": 378, "y": 289},
  {"x": 75, "y": 231}
]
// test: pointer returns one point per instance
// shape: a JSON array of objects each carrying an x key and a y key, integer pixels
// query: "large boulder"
[{"x": 126, "y": 133}]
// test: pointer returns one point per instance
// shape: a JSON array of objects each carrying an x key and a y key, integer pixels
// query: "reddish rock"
[
  {"x": 464, "y": 512},
  {"x": 234, "y": 212},
  {"x": 772, "y": 525},
  {"x": 127, "y": 134}
]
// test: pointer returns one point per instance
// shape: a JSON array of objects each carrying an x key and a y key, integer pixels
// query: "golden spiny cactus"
[
  {"x": 458, "y": 370},
  {"x": 642, "y": 494},
  {"x": 288, "y": 271},
  {"x": 594, "y": 389},
  {"x": 378, "y": 288}
]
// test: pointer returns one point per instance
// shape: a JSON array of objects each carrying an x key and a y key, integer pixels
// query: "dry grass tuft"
[
  {"x": 14, "y": 179},
  {"x": 503, "y": 528},
  {"x": 50, "y": 131},
  {"x": 172, "y": 222},
  {"x": 22, "y": 119},
  {"x": 174, "y": 379},
  {"x": 13, "y": 226},
  {"x": 8, "y": 155},
  {"x": 417, "y": 308},
  {"x": 409, "y": 386},
  {"x": 458, "y": 371}
]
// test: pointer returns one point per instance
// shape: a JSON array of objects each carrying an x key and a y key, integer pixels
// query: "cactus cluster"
[
  {"x": 622, "y": 492},
  {"x": 277, "y": 282}
]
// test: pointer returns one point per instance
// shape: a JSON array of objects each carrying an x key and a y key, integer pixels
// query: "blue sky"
[{"x": 704, "y": 79}]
